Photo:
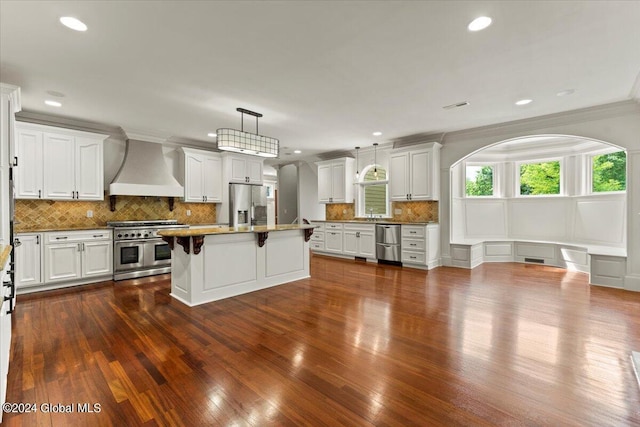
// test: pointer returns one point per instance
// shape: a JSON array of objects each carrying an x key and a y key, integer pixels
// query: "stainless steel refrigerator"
[{"x": 247, "y": 205}]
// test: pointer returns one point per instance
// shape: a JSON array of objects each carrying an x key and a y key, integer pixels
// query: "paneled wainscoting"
[{"x": 355, "y": 344}]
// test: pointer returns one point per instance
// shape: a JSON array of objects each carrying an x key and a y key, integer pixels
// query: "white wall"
[
  {"x": 618, "y": 124},
  {"x": 287, "y": 194},
  {"x": 308, "y": 206}
]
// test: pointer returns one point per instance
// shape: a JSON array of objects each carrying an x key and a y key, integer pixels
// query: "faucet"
[{"x": 370, "y": 214}]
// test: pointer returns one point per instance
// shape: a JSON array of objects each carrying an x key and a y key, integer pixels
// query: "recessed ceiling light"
[
  {"x": 53, "y": 103},
  {"x": 479, "y": 23},
  {"x": 377, "y": 133},
  {"x": 565, "y": 92},
  {"x": 297, "y": 151},
  {"x": 212, "y": 134},
  {"x": 524, "y": 101},
  {"x": 73, "y": 23}
]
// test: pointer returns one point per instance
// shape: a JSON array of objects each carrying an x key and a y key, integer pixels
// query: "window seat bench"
[{"x": 606, "y": 265}]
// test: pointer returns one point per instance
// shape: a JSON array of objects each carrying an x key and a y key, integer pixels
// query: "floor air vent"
[{"x": 534, "y": 260}]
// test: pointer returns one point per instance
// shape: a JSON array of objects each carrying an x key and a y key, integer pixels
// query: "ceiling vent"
[{"x": 457, "y": 105}]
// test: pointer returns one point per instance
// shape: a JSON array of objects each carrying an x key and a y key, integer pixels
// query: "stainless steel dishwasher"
[{"x": 388, "y": 242}]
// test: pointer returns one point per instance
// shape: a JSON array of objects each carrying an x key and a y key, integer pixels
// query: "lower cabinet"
[
  {"x": 420, "y": 246},
  {"x": 333, "y": 241},
  {"x": 63, "y": 257},
  {"x": 359, "y": 240},
  {"x": 77, "y": 255},
  {"x": 28, "y": 256}
]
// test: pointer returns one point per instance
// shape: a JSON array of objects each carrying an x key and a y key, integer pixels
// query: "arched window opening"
[{"x": 373, "y": 192}]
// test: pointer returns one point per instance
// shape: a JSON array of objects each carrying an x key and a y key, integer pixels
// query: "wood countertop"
[{"x": 233, "y": 230}]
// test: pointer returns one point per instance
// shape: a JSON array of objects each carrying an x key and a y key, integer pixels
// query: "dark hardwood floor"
[{"x": 357, "y": 344}]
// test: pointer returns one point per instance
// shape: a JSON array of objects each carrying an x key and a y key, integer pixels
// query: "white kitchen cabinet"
[
  {"x": 359, "y": 240},
  {"x": 414, "y": 173},
  {"x": 243, "y": 169},
  {"x": 335, "y": 180},
  {"x": 28, "y": 259},
  {"x": 420, "y": 245},
  {"x": 28, "y": 178},
  {"x": 77, "y": 255},
  {"x": 317, "y": 238},
  {"x": 62, "y": 262},
  {"x": 333, "y": 240},
  {"x": 202, "y": 176},
  {"x": 58, "y": 164}
]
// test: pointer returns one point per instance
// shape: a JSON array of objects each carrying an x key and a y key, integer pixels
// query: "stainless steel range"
[{"x": 138, "y": 251}]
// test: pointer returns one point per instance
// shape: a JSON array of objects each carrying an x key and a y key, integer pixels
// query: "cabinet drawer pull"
[
  {"x": 61, "y": 238},
  {"x": 98, "y": 235},
  {"x": 412, "y": 244},
  {"x": 39, "y": 194},
  {"x": 412, "y": 257},
  {"x": 412, "y": 232}
]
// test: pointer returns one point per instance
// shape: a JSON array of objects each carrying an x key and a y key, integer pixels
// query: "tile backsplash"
[
  {"x": 422, "y": 211},
  {"x": 52, "y": 214}
]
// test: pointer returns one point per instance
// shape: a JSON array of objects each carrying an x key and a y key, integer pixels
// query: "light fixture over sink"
[{"x": 240, "y": 141}]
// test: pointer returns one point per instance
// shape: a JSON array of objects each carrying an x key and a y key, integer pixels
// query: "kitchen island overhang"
[{"x": 209, "y": 264}]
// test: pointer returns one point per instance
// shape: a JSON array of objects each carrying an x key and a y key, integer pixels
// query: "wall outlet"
[
  {"x": 188, "y": 212},
  {"x": 409, "y": 211},
  {"x": 89, "y": 214},
  {"x": 344, "y": 212},
  {"x": 398, "y": 211}
]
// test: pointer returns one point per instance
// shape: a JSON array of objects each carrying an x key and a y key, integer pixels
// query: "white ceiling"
[{"x": 324, "y": 74}]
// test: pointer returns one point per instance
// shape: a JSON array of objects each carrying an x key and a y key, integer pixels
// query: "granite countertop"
[
  {"x": 376, "y": 221},
  {"x": 182, "y": 232},
  {"x": 4, "y": 255}
]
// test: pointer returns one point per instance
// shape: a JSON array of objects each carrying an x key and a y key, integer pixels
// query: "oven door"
[
  {"x": 128, "y": 255},
  {"x": 157, "y": 253}
]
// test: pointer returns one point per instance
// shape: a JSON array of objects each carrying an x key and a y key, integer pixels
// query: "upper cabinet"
[
  {"x": 243, "y": 169},
  {"x": 335, "y": 180},
  {"x": 202, "y": 176},
  {"x": 58, "y": 164},
  {"x": 414, "y": 173}
]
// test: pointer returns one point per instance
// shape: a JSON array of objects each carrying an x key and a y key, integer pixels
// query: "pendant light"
[
  {"x": 375, "y": 160},
  {"x": 357, "y": 169},
  {"x": 245, "y": 142}
]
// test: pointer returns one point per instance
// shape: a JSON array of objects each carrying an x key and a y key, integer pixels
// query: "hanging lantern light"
[{"x": 375, "y": 160}]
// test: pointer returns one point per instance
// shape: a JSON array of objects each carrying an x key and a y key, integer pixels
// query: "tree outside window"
[
  {"x": 479, "y": 180},
  {"x": 540, "y": 178},
  {"x": 374, "y": 194},
  {"x": 609, "y": 172}
]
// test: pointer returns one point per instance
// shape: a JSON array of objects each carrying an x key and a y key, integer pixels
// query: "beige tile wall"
[
  {"x": 50, "y": 214},
  {"x": 424, "y": 211}
]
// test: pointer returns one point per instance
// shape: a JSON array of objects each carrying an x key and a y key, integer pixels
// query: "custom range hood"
[{"x": 144, "y": 171}]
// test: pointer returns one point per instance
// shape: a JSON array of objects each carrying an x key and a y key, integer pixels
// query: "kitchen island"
[{"x": 209, "y": 264}]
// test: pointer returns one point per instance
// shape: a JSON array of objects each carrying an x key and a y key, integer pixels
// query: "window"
[
  {"x": 479, "y": 180},
  {"x": 541, "y": 178},
  {"x": 609, "y": 172},
  {"x": 374, "y": 196}
]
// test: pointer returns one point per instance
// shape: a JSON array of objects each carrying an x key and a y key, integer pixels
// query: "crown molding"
[
  {"x": 616, "y": 109},
  {"x": 70, "y": 123},
  {"x": 418, "y": 138},
  {"x": 635, "y": 90}
]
